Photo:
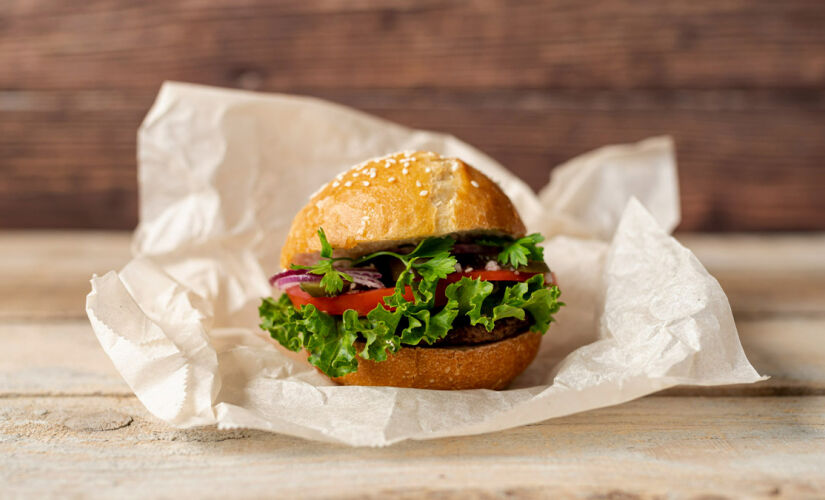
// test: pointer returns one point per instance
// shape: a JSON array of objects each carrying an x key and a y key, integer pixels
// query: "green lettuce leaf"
[
  {"x": 476, "y": 300},
  {"x": 532, "y": 297},
  {"x": 330, "y": 340},
  {"x": 469, "y": 295}
]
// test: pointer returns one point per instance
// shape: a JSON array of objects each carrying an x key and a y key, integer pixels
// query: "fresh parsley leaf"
[
  {"x": 430, "y": 259},
  {"x": 331, "y": 341},
  {"x": 326, "y": 248},
  {"x": 332, "y": 279},
  {"x": 517, "y": 253},
  {"x": 436, "y": 268},
  {"x": 432, "y": 247}
]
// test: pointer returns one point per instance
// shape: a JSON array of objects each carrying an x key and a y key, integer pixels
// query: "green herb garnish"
[
  {"x": 517, "y": 253},
  {"x": 333, "y": 279},
  {"x": 431, "y": 259},
  {"x": 329, "y": 340}
]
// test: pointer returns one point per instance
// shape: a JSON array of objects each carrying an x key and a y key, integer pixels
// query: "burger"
[{"x": 412, "y": 270}]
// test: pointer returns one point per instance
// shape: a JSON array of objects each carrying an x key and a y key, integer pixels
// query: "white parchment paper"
[{"x": 223, "y": 172}]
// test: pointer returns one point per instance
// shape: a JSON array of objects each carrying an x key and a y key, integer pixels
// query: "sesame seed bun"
[
  {"x": 396, "y": 199},
  {"x": 486, "y": 366}
]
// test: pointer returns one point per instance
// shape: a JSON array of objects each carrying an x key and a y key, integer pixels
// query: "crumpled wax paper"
[{"x": 222, "y": 173}]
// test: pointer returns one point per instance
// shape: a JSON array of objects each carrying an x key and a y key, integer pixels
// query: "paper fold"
[{"x": 222, "y": 173}]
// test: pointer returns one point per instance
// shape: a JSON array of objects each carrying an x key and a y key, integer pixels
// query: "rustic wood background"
[
  {"x": 71, "y": 428},
  {"x": 739, "y": 84}
]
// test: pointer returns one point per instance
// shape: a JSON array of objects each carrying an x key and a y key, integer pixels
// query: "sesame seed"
[
  {"x": 340, "y": 176},
  {"x": 366, "y": 183},
  {"x": 428, "y": 170},
  {"x": 423, "y": 193},
  {"x": 391, "y": 179},
  {"x": 405, "y": 171},
  {"x": 355, "y": 174},
  {"x": 474, "y": 183},
  {"x": 386, "y": 164},
  {"x": 454, "y": 167},
  {"x": 348, "y": 183},
  {"x": 372, "y": 174},
  {"x": 418, "y": 183},
  {"x": 336, "y": 184}
]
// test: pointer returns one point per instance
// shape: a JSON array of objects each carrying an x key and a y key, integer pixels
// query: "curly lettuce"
[{"x": 330, "y": 340}]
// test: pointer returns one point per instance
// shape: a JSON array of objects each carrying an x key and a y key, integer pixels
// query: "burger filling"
[{"x": 438, "y": 293}]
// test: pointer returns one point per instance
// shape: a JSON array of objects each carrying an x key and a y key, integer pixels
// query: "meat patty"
[{"x": 466, "y": 334}]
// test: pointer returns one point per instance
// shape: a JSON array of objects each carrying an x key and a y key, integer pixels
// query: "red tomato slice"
[
  {"x": 364, "y": 302},
  {"x": 361, "y": 302}
]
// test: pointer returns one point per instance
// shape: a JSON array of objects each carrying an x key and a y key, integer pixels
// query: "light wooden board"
[
  {"x": 69, "y": 426},
  {"x": 46, "y": 273},
  {"x": 766, "y": 275},
  {"x": 681, "y": 447},
  {"x": 63, "y": 358}
]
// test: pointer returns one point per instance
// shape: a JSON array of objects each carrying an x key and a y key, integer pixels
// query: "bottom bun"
[{"x": 486, "y": 366}]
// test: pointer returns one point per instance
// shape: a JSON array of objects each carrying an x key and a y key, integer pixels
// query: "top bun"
[{"x": 396, "y": 199}]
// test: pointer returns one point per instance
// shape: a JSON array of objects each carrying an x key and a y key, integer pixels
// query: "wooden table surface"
[
  {"x": 69, "y": 426},
  {"x": 740, "y": 85}
]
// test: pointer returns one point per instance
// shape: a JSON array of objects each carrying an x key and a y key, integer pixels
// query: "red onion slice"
[
  {"x": 284, "y": 274},
  {"x": 365, "y": 277},
  {"x": 369, "y": 278},
  {"x": 293, "y": 277}
]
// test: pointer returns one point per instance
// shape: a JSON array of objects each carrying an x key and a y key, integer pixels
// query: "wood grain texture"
[
  {"x": 117, "y": 44},
  {"x": 63, "y": 358},
  {"x": 738, "y": 84},
  {"x": 650, "y": 448},
  {"x": 763, "y": 275},
  {"x": 68, "y": 158},
  {"x": 70, "y": 427},
  {"x": 776, "y": 286},
  {"x": 46, "y": 275}
]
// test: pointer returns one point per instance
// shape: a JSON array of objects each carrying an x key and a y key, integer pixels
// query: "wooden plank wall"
[{"x": 739, "y": 84}]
